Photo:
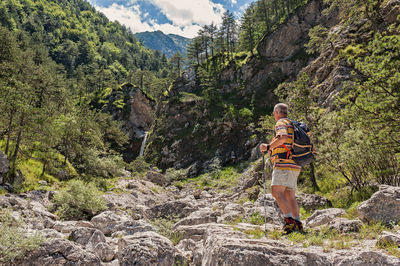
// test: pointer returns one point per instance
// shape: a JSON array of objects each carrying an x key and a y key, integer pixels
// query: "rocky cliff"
[
  {"x": 193, "y": 130},
  {"x": 134, "y": 109}
]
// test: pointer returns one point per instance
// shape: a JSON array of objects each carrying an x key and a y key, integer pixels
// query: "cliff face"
[
  {"x": 191, "y": 131},
  {"x": 130, "y": 105}
]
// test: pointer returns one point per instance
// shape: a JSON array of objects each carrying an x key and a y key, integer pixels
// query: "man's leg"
[
  {"x": 278, "y": 192},
  {"x": 290, "y": 196}
]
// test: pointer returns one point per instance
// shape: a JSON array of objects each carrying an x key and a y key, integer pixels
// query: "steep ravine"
[{"x": 195, "y": 132}]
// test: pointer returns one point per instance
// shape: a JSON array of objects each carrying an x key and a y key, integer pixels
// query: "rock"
[
  {"x": 132, "y": 227},
  {"x": 202, "y": 216},
  {"x": 156, "y": 178},
  {"x": 388, "y": 237},
  {"x": 107, "y": 221},
  {"x": 367, "y": 258},
  {"x": 59, "y": 252},
  {"x": 87, "y": 236},
  {"x": 224, "y": 246},
  {"x": 344, "y": 225},
  {"x": 197, "y": 193},
  {"x": 42, "y": 182},
  {"x": 383, "y": 206},
  {"x": 104, "y": 251},
  {"x": 147, "y": 248},
  {"x": 51, "y": 233},
  {"x": 312, "y": 201},
  {"x": 179, "y": 208},
  {"x": 320, "y": 217},
  {"x": 63, "y": 227}
]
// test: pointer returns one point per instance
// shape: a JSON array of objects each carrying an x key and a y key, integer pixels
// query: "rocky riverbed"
[{"x": 206, "y": 227}]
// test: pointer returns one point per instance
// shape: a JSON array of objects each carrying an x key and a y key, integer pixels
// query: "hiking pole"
[{"x": 265, "y": 197}]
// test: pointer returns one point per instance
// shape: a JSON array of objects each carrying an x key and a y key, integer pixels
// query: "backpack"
[{"x": 302, "y": 151}]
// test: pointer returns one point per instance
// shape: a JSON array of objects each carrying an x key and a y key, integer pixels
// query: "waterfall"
[{"x": 143, "y": 144}]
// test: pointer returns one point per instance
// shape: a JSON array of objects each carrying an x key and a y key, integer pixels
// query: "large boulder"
[
  {"x": 107, "y": 221},
  {"x": 383, "y": 206},
  {"x": 59, "y": 252},
  {"x": 312, "y": 201},
  {"x": 147, "y": 248},
  {"x": 178, "y": 208},
  {"x": 224, "y": 246},
  {"x": 202, "y": 216},
  {"x": 344, "y": 225}
]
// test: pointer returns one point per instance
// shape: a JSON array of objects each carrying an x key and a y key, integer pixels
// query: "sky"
[{"x": 182, "y": 17}]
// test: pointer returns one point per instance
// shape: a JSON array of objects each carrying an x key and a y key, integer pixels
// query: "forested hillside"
[{"x": 57, "y": 57}]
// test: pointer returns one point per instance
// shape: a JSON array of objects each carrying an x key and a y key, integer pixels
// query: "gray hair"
[{"x": 281, "y": 108}]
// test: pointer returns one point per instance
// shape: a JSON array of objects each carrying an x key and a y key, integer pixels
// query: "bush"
[
  {"x": 138, "y": 166},
  {"x": 14, "y": 242},
  {"x": 165, "y": 227},
  {"x": 78, "y": 200},
  {"x": 176, "y": 175}
]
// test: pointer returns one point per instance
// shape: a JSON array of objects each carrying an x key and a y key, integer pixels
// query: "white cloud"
[
  {"x": 185, "y": 13},
  {"x": 187, "y": 16},
  {"x": 233, "y": 2},
  {"x": 128, "y": 16}
]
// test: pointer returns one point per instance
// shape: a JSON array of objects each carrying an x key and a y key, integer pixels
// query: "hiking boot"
[
  {"x": 298, "y": 227},
  {"x": 290, "y": 225}
]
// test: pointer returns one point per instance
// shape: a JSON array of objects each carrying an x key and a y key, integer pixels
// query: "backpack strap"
[{"x": 288, "y": 151}]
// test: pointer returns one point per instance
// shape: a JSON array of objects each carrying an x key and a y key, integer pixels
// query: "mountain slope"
[{"x": 168, "y": 44}]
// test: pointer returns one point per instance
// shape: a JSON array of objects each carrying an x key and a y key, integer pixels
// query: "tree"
[
  {"x": 176, "y": 64},
  {"x": 248, "y": 30}
]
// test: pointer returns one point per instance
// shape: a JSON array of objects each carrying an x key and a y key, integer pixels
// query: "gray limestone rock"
[
  {"x": 59, "y": 252},
  {"x": 383, "y": 206},
  {"x": 147, "y": 248},
  {"x": 320, "y": 217},
  {"x": 107, "y": 221},
  {"x": 201, "y": 216},
  {"x": 87, "y": 236}
]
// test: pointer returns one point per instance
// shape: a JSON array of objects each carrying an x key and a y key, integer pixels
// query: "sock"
[
  {"x": 297, "y": 218},
  {"x": 288, "y": 215}
]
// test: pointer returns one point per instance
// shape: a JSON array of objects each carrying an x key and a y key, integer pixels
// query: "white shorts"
[{"x": 286, "y": 178}]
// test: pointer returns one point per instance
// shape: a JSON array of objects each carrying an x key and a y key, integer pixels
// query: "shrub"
[
  {"x": 14, "y": 242},
  {"x": 175, "y": 175},
  {"x": 164, "y": 227},
  {"x": 78, "y": 200},
  {"x": 138, "y": 166}
]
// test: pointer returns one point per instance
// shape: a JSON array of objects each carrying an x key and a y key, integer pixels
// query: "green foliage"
[
  {"x": 138, "y": 166},
  {"x": 14, "y": 242},
  {"x": 255, "y": 233},
  {"x": 78, "y": 201},
  {"x": 255, "y": 218},
  {"x": 165, "y": 227},
  {"x": 371, "y": 230},
  {"x": 172, "y": 174},
  {"x": 390, "y": 247},
  {"x": 320, "y": 39}
]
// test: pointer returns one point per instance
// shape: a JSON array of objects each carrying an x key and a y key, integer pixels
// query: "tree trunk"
[
  {"x": 313, "y": 179},
  {"x": 19, "y": 137},
  {"x": 9, "y": 132}
]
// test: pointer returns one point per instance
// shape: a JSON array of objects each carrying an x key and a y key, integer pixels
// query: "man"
[{"x": 285, "y": 171}]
